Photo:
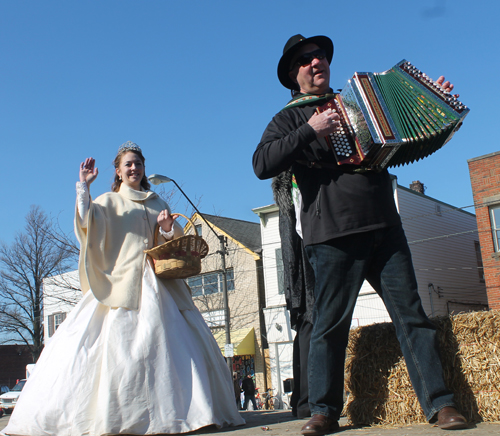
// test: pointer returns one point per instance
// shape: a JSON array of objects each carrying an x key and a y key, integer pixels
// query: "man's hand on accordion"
[
  {"x": 447, "y": 86},
  {"x": 325, "y": 122}
]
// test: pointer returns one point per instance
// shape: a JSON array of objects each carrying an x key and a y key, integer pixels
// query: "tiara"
[{"x": 129, "y": 146}]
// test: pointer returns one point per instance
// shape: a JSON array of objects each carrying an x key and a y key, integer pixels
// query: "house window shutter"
[
  {"x": 55, "y": 320},
  {"x": 280, "y": 272},
  {"x": 51, "y": 325}
]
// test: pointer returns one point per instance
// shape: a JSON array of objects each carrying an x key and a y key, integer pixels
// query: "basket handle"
[
  {"x": 157, "y": 231},
  {"x": 191, "y": 222}
]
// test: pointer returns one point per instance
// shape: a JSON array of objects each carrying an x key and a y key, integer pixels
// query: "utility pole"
[{"x": 227, "y": 316}]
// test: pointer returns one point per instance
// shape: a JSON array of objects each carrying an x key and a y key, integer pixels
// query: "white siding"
[
  {"x": 280, "y": 338},
  {"x": 270, "y": 242},
  {"x": 441, "y": 241},
  {"x": 281, "y": 359},
  {"x": 277, "y": 321},
  {"x": 369, "y": 308}
]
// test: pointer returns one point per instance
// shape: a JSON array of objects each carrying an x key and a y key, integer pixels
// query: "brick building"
[{"x": 485, "y": 180}]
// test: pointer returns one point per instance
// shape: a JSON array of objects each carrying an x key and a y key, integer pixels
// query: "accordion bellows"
[{"x": 392, "y": 118}]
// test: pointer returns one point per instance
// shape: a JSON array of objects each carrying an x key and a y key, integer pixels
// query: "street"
[{"x": 282, "y": 423}]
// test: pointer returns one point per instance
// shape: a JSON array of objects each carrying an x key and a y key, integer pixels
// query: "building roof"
[
  {"x": 245, "y": 232},
  {"x": 484, "y": 156},
  {"x": 435, "y": 200}
]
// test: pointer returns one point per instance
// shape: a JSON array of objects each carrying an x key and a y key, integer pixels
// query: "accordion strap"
[{"x": 304, "y": 99}]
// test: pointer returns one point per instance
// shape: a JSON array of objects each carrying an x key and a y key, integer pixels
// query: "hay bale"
[{"x": 379, "y": 387}]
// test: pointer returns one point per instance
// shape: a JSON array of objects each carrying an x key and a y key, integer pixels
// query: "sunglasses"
[{"x": 307, "y": 58}]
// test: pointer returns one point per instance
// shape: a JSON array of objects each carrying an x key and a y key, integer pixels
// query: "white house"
[
  {"x": 60, "y": 294},
  {"x": 446, "y": 256}
]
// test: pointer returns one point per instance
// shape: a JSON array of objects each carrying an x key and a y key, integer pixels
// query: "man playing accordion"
[{"x": 351, "y": 231}]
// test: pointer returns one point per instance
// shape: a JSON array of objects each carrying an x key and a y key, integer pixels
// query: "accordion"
[{"x": 392, "y": 118}]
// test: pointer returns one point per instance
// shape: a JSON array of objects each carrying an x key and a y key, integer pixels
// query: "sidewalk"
[{"x": 281, "y": 423}]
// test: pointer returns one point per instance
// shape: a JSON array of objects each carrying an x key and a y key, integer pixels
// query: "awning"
[{"x": 243, "y": 341}]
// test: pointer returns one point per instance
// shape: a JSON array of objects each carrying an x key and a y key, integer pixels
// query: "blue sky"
[{"x": 194, "y": 84}]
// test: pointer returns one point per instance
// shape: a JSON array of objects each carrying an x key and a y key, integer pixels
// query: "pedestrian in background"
[
  {"x": 237, "y": 389},
  {"x": 248, "y": 388}
]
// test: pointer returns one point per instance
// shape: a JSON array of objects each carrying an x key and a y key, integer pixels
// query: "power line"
[
  {"x": 451, "y": 209},
  {"x": 418, "y": 241}
]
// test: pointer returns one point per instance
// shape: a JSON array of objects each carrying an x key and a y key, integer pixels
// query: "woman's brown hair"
[{"x": 125, "y": 148}]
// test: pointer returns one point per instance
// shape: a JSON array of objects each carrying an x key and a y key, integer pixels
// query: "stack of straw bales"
[{"x": 379, "y": 387}]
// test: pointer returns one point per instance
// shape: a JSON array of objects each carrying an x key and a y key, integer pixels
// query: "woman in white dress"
[{"x": 134, "y": 356}]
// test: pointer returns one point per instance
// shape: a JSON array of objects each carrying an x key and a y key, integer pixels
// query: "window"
[
  {"x": 479, "y": 259},
  {"x": 198, "y": 229},
  {"x": 495, "y": 225},
  {"x": 214, "y": 318},
  {"x": 280, "y": 271},
  {"x": 55, "y": 320},
  {"x": 210, "y": 283}
]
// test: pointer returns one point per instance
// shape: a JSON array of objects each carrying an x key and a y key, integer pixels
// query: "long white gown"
[{"x": 117, "y": 371}]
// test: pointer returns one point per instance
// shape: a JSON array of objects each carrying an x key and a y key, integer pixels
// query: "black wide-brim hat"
[{"x": 291, "y": 47}]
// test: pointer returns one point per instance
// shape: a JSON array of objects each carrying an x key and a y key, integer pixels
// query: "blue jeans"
[{"x": 383, "y": 258}]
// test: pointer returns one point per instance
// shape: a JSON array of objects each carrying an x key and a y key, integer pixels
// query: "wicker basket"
[{"x": 179, "y": 258}]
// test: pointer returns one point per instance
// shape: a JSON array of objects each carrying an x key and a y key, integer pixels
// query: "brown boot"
[
  {"x": 449, "y": 419},
  {"x": 320, "y": 425}
]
